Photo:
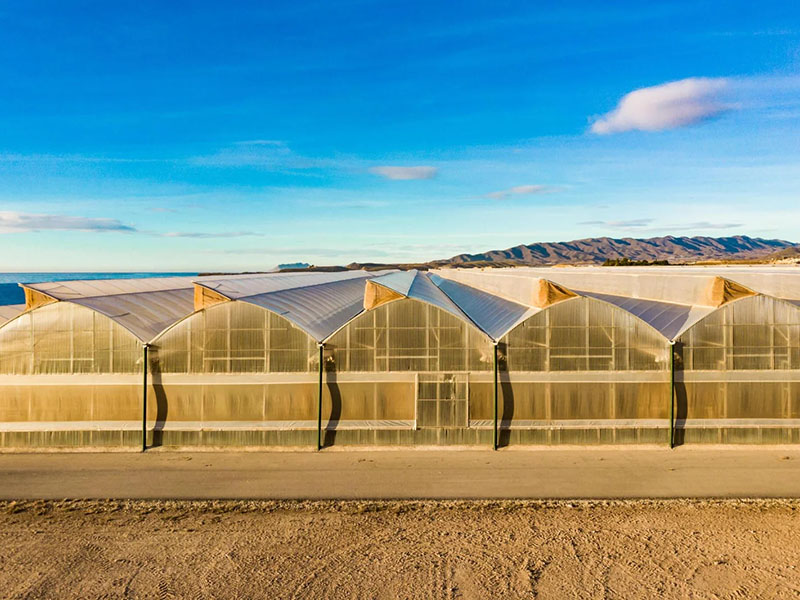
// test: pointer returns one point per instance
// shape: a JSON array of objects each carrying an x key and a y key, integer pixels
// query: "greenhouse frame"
[{"x": 452, "y": 357}]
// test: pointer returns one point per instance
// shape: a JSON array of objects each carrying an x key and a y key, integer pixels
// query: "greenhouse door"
[{"x": 442, "y": 400}]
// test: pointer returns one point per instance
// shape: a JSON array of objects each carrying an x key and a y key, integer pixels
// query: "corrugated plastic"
[
  {"x": 320, "y": 310},
  {"x": 668, "y": 318},
  {"x": 494, "y": 315},
  {"x": 238, "y": 287},
  {"x": 418, "y": 286},
  {"x": 9, "y": 311}
]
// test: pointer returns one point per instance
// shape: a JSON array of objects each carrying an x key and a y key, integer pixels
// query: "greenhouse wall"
[
  {"x": 235, "y": 374},
  {"x": 738, "y": 375},
  {"x": 69, "y": 376},
  {"x": 581, "y": 372},
  {"x": 404, "y": 373}
]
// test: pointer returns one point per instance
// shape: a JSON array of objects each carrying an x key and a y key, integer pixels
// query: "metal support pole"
[
  {"x": 494, "y": 443},
  {"x": 319, "y": 397},
  {"x": 672, "y": 394},
  {"x": 144, "y": 397}
]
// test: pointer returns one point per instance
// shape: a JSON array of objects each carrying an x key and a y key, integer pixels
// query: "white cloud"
[
  {"x": 666, "y": 106},
  {"x": 18, "y": 222},
  {"x": 520, "y": 190},
  {"x": 405, "y": 173}
]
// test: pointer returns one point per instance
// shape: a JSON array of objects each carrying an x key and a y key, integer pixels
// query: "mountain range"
[
  {"x": 598, "y": 250},
  {"x": 675, "y": 250}
]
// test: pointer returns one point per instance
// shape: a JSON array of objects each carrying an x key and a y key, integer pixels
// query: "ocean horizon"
[{"x": 11, "y": 293}]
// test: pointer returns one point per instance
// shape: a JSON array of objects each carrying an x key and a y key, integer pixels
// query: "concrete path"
[{"x": 720, "y": 472}]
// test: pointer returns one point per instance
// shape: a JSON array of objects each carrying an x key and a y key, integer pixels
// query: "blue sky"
[{"x": 207, "y": 136}]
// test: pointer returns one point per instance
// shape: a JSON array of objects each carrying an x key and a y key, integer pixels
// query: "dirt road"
[
  {"x": 723, "y": 472},
  {"x": 332, "y": 550}
]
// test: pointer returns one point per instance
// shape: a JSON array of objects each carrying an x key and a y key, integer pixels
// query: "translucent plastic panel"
[
  {"x": 752, "y": 333},
  {"x": 65, "y": 338},
  {"x": 236, "y": 337},
  {"x": 544, "y": 401},
  {"x": 583, "y": 334},
  {"x": 735, "y": 400},
  {"x": 242, "y": 403},
  {"x": 381, "y": 401},
  {"x": 408, "y": 335},
  {"x": 580, "y": 401},
  {"x": 71, "y": 403}
]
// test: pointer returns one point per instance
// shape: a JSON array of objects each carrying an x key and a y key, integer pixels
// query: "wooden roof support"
[
  {"x": 376, "y": 295},
  {"x": 721, "y": 291},
  {"x": 205, "y": 297}
]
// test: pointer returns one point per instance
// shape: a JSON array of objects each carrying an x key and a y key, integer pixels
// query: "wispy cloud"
[
  {"x": 666, "y": 106},
  {"x": 405, "y": 173},
  {"x": 647, "y": 225},
  {"x": 256, "y": 153},
  {"x": 201, "y": 235},
  {"x": 19, "y": 222},
  {"x": 520, "y": 190},
  {"x": 261, "y": 143},
  {"x": 629, "y": 224},
  {"x": 704, "y": 225}
]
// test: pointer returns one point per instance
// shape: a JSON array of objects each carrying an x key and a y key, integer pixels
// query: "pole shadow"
[
  {"x": 507, "y": 397},
  {"x": 162, "y": 404},
  {"x": 336, "y": 404},
  {"x": 681, "y": 400}
]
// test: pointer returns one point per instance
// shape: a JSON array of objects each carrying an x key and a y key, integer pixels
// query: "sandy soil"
[{"x": 503, "y": 549}]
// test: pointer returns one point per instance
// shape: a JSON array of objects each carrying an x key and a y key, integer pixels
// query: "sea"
[{"x": 11, "y": 293}]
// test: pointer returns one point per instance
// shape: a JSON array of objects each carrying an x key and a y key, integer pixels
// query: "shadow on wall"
[
  {"x": 680, "y": 399},
  {"x": 162, "y": 405},
  {"x": 507, "y": 394},
  {"x": 336, "y": 404}
]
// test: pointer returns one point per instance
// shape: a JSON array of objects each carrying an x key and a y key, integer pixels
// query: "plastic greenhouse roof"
[
  {"x": 670, "y": 319},
  {"x": 145, "y": 307},
  {"x": 9, "y": 311},
  {"x": 70, "y": 290},
  {"x": 237, "y": 287},
  {"x": 418, "y": 286},
  {"x": 679, "y": 284},
  {"x": 494, "y": 315},
  {"x": 320, "y": 310},
  {"x": 144, "y": 314}
]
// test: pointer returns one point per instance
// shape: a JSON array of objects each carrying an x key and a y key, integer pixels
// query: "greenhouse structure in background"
[{"x": 451, "y": 357}]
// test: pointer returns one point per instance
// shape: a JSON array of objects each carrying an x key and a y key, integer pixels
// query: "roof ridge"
[{"x": 299, "y": 287}]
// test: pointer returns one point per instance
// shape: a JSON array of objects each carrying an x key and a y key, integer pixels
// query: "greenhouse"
[
  {"x": 472, "y": 357},
  {"x": 244, "y": 368},
  {"x": 734, "y": 332}
]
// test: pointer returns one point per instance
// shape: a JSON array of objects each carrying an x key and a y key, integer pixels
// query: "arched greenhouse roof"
[{"x": 10, "y": 311}]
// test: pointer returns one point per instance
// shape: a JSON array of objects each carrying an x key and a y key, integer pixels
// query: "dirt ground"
[
  {"x": 543, "y": 474},
  {"x": 400, "y": 549}
]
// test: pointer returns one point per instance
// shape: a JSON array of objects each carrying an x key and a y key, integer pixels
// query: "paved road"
[{"x": 542, "y": 473}]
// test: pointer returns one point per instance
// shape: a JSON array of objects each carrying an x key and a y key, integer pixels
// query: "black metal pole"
[
  {"x": 672, "y": 395},
  {"x": 494, "y": 437},
  {"x": 319, "y": 398},
  {"x": 144, "y": 398}
]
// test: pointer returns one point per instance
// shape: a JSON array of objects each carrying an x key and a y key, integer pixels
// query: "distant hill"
[
  {"x": 597, "y": 250},
  {"x": 791, "y": 254}
]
